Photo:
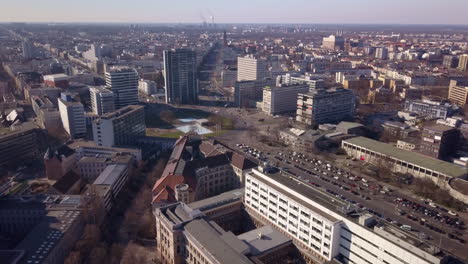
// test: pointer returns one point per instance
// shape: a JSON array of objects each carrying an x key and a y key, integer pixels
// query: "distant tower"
[{"x": 225, "y": 38}]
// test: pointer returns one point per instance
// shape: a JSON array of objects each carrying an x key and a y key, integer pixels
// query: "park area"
[{"x": 171, "y": 122}]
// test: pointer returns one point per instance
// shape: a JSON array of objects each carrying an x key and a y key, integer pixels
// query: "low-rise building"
[{"x": 408, "y": 144}]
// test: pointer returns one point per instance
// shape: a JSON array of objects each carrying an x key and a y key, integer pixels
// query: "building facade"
[
  {"x": 120, "y": 128},
  {"x": 180, "y": 76},
  {"x": 439, "y": 141},
  {"x": 72, "y": 115},
  {"x": 282, "y": 98},
  {"x": 102, "y": 100},
  {"x": 325, "y": 106},
  {"x": 123, "y": 82},
  {"x": 250, "y": 68}
]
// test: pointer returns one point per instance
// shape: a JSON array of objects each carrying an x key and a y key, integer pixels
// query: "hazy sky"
[{"x": 238, "y": 11}]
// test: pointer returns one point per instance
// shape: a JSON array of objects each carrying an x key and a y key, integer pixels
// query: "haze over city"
[{"x": 241, "y": 11}]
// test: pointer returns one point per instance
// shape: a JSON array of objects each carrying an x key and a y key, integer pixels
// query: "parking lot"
[{"x": 424, "y": 219}]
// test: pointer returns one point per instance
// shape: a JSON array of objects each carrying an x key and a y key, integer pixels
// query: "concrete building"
[
  {"x": 123, "y": 82},
  {"x": 120, "y": 128},
  {"x": 58, "y": 162},
  {"x": 458, "y": 93},
  {"x": 463, "y": 62},
  {"x": 250, "y": 68},
  {"x": 429, "y": 108},
  {"x": 325, "y": 106},
  {"x": 18, "y": 146},
  {"x": 439, "y": 141},
  {"x": 281, "y": 98},
  {"x": 180, "y": 76},
  {"x": 333, "y": 43},
  {"x": 326, "y": 229},
  {"x": 102, "y": 100},
  {"x": 84, "y": 148},
  {"x": 110, "y": 182},
  {"x": 229, "y": 77},
  {"x": 248, "y": 93},
  {"x": 89, "y": 168},
  {"x": 408, "y": 144},
  {"x": 48, "y": 117},
  {"x": 381, "y": 53},
  {"x": 399, "y": 160},
  {"x": 72, "y": 115}
]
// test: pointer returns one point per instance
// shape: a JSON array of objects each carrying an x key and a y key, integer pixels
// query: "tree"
[{"x": 73, "y": 258}]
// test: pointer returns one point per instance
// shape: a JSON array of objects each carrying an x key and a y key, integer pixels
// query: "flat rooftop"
[
  {"x": 263, "y": 239},
  {"x": 420, "y": 160},
  {"x": 110, "y": 175},
  {"x": 218, "y": 200}
]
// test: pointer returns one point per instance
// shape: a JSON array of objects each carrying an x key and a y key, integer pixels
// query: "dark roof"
[
  {"x": 66, "y": 182},
  {"x": 59, "y": 152}
]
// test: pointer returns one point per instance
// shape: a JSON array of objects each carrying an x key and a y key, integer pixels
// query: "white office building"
[
  {"x": 72, "y": 115},
  {"x": 326, "y": 228},
  {"x": 250, "y": 68},
  {"x": 282, "y": 98},
  {"x": 102, "y": 100},
  {"x": 123, "y": 82}
]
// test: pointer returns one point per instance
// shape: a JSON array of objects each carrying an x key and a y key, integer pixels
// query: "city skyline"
[{"x": 273, "y": 11}]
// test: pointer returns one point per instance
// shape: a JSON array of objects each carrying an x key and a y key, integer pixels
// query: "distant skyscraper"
[
  {"x": 28, "y": 49},
  {"x": 123, "y": 82},
  {"x": 463, "y": 62},
  {"x": 381, "y": 53},
  {"x": 102, "y": 100},
  {"x": 251, "y": 69},
  {"x": 180, "y": 76},
  {"x": 72, "y": 115}
]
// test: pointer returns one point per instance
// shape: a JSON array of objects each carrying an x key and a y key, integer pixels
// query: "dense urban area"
[{"x": 224, "y": 143}]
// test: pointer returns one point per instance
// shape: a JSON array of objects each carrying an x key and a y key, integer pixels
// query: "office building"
[
  {"x": 229, "y": 77},
  {"x": 429, "y": 108},
  {"x": 439, "y": 141},
  {"x": 248, "y": 93},
  {"x": 250, "y": 68},
  {"x": 333, "y": 43},
  {"x": 313, "y": 82},
  {"x": 325, "y": 106},
  {"x": 102, "y": 100},
  {"x": 29, "y": 51},
  {"x": 180, "y": 76},
  {"x": 18, "y": 146},
  {"x": 120, "y": 128},
  {"x": 72, "y": 115},
  {"x": 463, "y": 62},
  {"x": 458, "y": 93},
  {"x": 327, "y": 229},
  {"x": 282, "y": 98},
  {"x": 110, "y": 182},
  {"x": 123, "y": 82},
  {"x": 402, "y": 161},
  {"x": 450, "y": 61}
]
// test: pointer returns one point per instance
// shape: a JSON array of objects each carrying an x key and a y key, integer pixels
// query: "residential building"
[
  {"x": 180, "y": 76},
  {"x": 458, "y": 93},
  {"x": 439, "y": 141},
  {"x": 18, "y": 146},
  {"x": 325, "y": 106},
  {"x": 123, "y": 82},
  {"x": 281, "y": 98},
  {"x": 333, "y": 42},
  {"x": 102, "y": 100},
  {"x": 402, "y": 161},
  {"x": 429, "y": 108},
  {"x": 120, "y": 128},
  {"x": 72, "y": 115},
  {"x": 326, "y": 229},
  {"x": 463, "y": 62},
  {"x": 381, "y": 53},
  {"x": 250, "y": 68}
]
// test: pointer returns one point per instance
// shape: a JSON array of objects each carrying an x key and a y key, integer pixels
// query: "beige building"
[
  {"x": 463, "y": 62},
  {"x": 458, "y": 94}
]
